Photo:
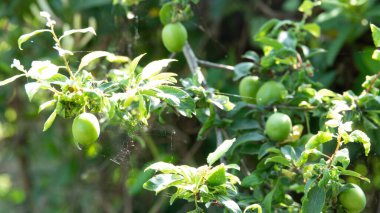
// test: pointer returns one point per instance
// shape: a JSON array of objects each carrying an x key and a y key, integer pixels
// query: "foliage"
[{"x": 333, "y": 130}]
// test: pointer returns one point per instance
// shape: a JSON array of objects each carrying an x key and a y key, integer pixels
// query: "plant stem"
[
  {"x": 338, "y": 143},
  {"x": 373, "y": 82},
  {"x": 56, "y": 39}
]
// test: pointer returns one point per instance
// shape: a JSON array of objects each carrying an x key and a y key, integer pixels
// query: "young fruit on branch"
[
  {"x": 278, "y": 126},
  {"x": 85, "y": 129}
]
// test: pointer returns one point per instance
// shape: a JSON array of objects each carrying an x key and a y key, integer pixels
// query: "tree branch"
[{"x": 215, "y": 65}]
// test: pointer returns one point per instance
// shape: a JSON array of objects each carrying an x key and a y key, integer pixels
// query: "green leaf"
[
  {"x": 10, "y": 80},
  {"x": 315, "y": 200},
  {"x": 375, "y": 35},
  {"x": 207, "y": 124},
  {"x": 26, "y": 37},
  {"x": 376, "y": 55},
  {"x": 253, "y": 207},
  {"x": 242, "y": 69},
  {"x": 251, "y": 55},
  {"x": 318, "y": 139},
  {"x": 354, "y": 174},
  {"x": 306, "y": 7},
  {"x": 267, "y": 202},
  {"x": 248, "y": 138},
  {"x": 134, "y": 63},
  {"x": 252, "y": 180},
  {"x": 343, "y": 157},
  {"x": 361, "y": 137},
  {"x": 222, "y": 102},
  {"x": 46, "y": 105},
  {"x": 220, "y": 151},
  {"x": 278, "y": 159},
  {"x": 50, "y": 121},
  {"x": 270, "y": 42},
  {"x": 155, "y": 67},
  {"x": 84, "y": 30},
  {"x": 177, "y": 98},
  {"x": 229, "y": 204},
  {"x": 161, "y": 182},
  {"x": 163, "y": 167},
  {"x": 31, "y": 89},
  {"x": 313, "y": 29},
  {"x": 266, "y": 28},
  {"x": 92, "y": 56}
]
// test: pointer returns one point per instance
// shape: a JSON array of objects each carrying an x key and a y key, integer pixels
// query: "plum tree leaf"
[
  {"x": 27, "y": 36},
  {"x": 220, "y": 151}
]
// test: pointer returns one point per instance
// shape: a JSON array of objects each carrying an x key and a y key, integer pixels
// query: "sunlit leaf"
[
  {"x": 155, "y": 67},
  {"x": 50, "y": 121},
  {"x": 10, "y": 80},
  {"x": 31, "y": 89},
  {"x": 85, "y": 30},
  {"x": 46, "y": 105},
  {"x": 92, "y": 56},
  {"x": 220, "y": 151},
  {"x": 26, "y": 37},
  {"x": 318, "y": 139},
  {"x": 361, "y": 137},
  {"x": 162, "y": 181}
]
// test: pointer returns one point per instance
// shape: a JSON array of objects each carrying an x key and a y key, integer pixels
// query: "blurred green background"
[{"x": 45, "y": 172}]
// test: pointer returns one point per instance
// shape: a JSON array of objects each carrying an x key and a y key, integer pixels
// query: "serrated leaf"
[
  {"x": 375, "y": 35},
  {"x": 278, "y": 159},
  {"x": 315, "y": 200},
  {"x": 220, "y": 151},
  {"x": 161, "y": 182},
  {"x": 27, "y": 36},
  {"x": 318, "y": 139},
  {"x": 361, "y": 137},
  {"x": 50, "y": 121},
  {"x": 154, "y": 67},
  {"x": 31, "y": 89},
  {"x": 46, "y": 105},
  {"x": 10, "y": 80},
  {"x": 92, "y": 56},
  {"x": 177, "y": 98},
  {"x": 84, "y": 30}
]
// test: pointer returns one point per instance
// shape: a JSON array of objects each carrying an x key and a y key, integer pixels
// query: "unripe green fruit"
[
  {"x": 278, "y": 126},
  {"x": 353, "y": 198},
  {"x": 217, "y": 176},
  {"x": 86, "y": 129},
  {"x": 248, "y": 88},
  {"x": 271, "y": 92},
  {"x": 174, "y": 37}
]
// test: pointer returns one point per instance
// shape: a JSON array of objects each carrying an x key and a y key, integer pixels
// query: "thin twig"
[
  {"x": 192, "y": 61},
  {"x": 209, "y": 64},
  {"x": 373, "y": 82}
]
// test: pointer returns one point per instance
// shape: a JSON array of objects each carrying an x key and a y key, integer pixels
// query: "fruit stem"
[{"x": 373, "y": 82}]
